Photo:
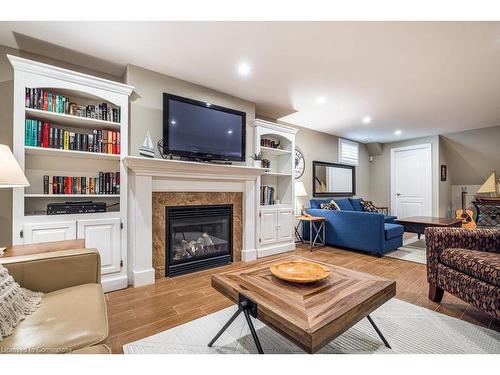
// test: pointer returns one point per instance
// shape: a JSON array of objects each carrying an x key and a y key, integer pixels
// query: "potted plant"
[{"x": 257, "y": 159}]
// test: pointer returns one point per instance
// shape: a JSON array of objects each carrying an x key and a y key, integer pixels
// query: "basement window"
[{"x": 348, "y": 152}]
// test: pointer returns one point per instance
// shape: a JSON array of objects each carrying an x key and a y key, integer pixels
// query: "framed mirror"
[{"x": 333, "y": 180}]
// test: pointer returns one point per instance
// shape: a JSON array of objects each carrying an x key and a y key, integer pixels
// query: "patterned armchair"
[{"x": 465, "y": 263}]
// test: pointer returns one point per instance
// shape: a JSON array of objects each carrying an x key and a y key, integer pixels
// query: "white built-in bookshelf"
[
  {"x": 275, "y": 187},
  {"x": 105, "y": 231}
]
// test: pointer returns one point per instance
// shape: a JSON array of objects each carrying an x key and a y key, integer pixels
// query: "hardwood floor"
[{"x": 135, "y": 313}]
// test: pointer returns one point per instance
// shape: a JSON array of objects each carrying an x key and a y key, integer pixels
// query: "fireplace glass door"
[{"x": 198, "y": 237}]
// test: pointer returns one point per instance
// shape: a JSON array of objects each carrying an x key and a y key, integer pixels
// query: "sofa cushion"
[
  {"x": 344, "y": 204},
  {"x": 316, "y": 203},
  {"x": 482, "y": 265},
  {"x": 368, "y": 206},
  {"x": 356, "y": 204},
  {"x": 68, "y": 319},
  {"x": 393, "y": 231},
  {"x": 330, "y": 206}
]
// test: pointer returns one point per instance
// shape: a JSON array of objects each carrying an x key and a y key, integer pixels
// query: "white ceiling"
[{"x": 422, "y": 78}]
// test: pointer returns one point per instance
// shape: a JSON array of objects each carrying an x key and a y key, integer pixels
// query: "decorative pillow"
[
  {"x": 330, "y": 206},
  {"x": 368, "y": 206},
  {"x": 15, "y": 303}
]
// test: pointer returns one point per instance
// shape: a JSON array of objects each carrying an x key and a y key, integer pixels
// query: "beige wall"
[
  {"x": 380, "y": 172},
  {"x": 319, "y": 146},
  {"x": 146, "y": 105}
]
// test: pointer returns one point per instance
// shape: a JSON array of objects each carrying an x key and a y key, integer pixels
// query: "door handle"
[{"x": 398, "y": 194}]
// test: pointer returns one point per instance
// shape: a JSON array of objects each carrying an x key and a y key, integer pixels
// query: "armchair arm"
[
  {"x": 48, "y": 272},
  {"x": 439, "y": 239}
]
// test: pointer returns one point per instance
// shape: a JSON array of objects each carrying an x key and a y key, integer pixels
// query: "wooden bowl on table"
[{"x": 300, "y": 271}]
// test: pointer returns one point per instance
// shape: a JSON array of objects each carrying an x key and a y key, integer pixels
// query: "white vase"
[{"x": 257, "y": 163}]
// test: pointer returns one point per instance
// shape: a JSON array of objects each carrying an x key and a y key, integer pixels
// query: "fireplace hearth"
[{"x": 197, "y": 238}]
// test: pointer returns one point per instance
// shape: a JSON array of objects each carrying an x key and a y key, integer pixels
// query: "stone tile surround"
[{"x": 163, "y": 199}]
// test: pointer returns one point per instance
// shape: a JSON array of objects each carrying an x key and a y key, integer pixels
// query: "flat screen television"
[{"x": 200, "y": 130}]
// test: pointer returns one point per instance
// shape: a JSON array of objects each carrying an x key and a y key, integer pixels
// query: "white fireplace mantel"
[{"x": 151, "y": 175}]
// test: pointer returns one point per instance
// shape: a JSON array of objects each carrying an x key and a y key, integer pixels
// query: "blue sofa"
[{"x": 353, "y": 228}]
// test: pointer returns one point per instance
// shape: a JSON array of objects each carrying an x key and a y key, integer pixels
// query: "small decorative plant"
[{"x": 257, "y": 157}]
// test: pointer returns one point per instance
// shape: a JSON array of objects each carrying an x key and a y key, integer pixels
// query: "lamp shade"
[
  {"x": 300, "y": 190},
  {"x": 11, "y": 174}
]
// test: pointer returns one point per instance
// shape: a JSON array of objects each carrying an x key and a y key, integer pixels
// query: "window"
[{"x": 348, "y": 152}]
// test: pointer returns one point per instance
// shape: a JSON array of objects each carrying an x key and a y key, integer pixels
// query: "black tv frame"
[{"x": 201, "y": 155}]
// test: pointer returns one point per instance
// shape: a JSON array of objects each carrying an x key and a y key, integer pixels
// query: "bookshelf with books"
[
  {"x": 275, "y": 219},
  {"x": 70, "y": 136}
]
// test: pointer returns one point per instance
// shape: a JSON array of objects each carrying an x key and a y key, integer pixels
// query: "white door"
[
  {"x": 48, "y": 232},
  {"x": 103, "y": 235},
  {"x": 268, "y": 226},
  {"x": 285, "y": 224},
  {"x": 411, "y": 181}
]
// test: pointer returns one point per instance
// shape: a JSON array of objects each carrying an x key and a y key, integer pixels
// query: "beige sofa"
[{"x": 72, "y": 317}]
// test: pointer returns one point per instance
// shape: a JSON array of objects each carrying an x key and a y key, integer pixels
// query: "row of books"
[
  {"x": 47, "y": 101},
  {"x": 104, "y": 183},
  {"x": 266, "y": 195},
  {"x": 43, "y": 134}
]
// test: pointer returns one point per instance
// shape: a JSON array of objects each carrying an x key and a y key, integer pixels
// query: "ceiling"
[{"x": 422, "y": 78}]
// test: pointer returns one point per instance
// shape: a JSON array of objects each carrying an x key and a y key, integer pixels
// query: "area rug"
[
  {"x": 408, "y": 328},
  {"x": 413, "y": 250}
]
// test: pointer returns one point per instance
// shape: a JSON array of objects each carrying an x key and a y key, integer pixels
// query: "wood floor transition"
[{"x": 135, "y": 313}]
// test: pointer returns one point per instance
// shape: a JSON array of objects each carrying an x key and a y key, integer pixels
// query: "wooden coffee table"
[
  {"x": 310, "y": 315},
  {"x": 417, "y": 224}
]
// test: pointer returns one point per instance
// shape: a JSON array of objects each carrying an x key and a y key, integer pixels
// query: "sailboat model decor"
[
  {"x": 147, "y": 148},
  {"x": 487, "y": 203},
  {"x": 489, "y": 190}
]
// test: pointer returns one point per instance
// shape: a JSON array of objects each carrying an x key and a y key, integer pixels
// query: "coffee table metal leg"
[
  {"x": 244, "y": 306},
  {"x": 252, "y": 330},
  {"x": 378, "y": 332},
  {"x": 235, "y": 315}
]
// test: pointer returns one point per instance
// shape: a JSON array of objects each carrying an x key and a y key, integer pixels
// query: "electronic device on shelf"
[
  {"x": 202, "y": 131},
  {"x": 77, "y": 207}
]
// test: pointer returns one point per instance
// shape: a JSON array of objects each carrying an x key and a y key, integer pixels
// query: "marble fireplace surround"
[
  {"x": 147, "y": 177},
  {"x": 163, "y": 199}
]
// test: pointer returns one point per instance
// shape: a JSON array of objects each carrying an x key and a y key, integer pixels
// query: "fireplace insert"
[{"x": 198, "y": 237}]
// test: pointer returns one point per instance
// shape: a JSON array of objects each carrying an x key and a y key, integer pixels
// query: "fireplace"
[{"x": 197, "y": 238}]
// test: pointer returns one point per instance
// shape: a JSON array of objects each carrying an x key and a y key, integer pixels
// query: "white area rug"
[
  {"x": 413, "y": 250},
  {"x": 408, "y": 328}
]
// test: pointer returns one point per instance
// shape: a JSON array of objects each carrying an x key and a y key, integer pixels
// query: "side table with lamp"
[{"x": 11, "y": 174}]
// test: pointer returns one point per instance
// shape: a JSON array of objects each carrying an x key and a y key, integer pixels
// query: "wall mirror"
[{"x": 333, "y": 180}]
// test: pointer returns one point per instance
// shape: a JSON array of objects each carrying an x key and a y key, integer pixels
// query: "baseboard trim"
[
  {"x": 248, "y": 255},
  {"x": 140, "y": 278},
  {"x": 111, "y": 283},
  {"x": 275, "y": 249}
]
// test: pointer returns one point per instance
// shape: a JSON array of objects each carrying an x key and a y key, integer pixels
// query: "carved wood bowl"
[{"x": 300, "y": 272}]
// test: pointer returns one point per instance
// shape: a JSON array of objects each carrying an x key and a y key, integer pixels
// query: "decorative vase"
[{"x": 257, "y": 163}]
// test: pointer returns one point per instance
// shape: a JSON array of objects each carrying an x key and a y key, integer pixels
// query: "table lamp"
[
  {"x": 300, "y": 191},
  {"x": 11, "y": 174}
]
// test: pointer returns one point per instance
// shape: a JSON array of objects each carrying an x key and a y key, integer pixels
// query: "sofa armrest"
[
  {"x": 439, "y": 239},
  {"x": 355, "y": 226},
  {"x": 48, "y": 272}
]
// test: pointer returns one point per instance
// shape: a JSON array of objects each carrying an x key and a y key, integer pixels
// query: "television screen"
[{"x": 202, "y": 130}]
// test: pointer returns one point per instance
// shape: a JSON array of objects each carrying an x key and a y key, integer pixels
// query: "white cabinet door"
[
  {"x": 48, "y": 232},
  {"x": 103, "y": 235},
  {"x": 285, "y": 224},
  {"x": 268, "y": 226}
]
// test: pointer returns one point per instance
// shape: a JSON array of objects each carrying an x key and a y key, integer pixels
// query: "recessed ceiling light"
[
  {"x": 320, "y": 100},
  {"x": 367, "y": 120},
  {"x": 244, "y": 69},
  {"x": 397, "y": 132}
]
